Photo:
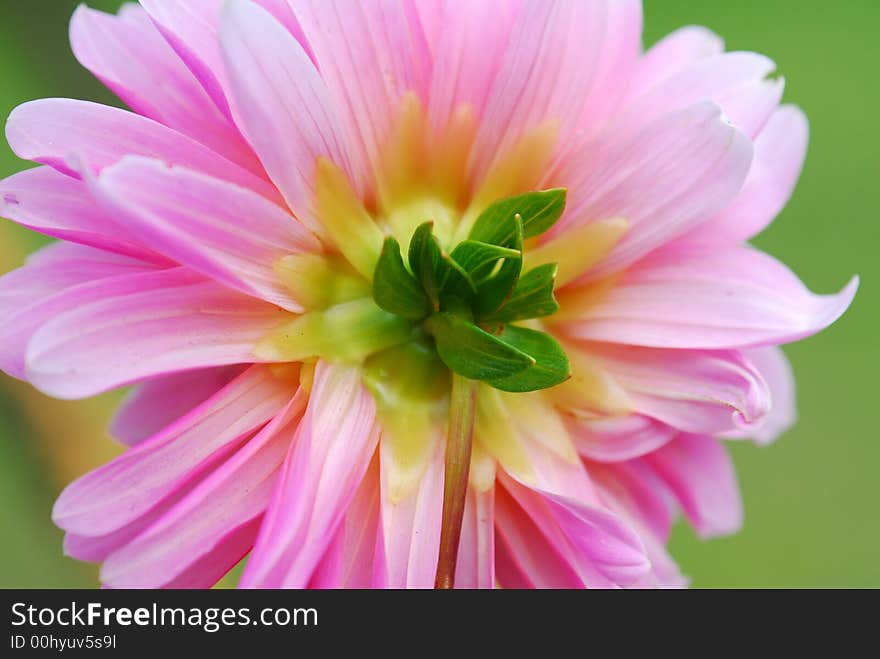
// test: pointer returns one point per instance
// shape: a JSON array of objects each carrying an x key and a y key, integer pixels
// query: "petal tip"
[{"x": 837, "y": 304}]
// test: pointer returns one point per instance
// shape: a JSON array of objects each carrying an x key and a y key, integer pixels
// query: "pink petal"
[
  {"x": 55, "y": 279},
  {"x": 330, "y": 455},
  {"x": 695, "y": 391},
  {"x": 476, "y": 550},
  {"x": 735, "y": 81},
  {"x": 633, "y": 490},
  {"x": 144, "y": 325},
  {"x": 621, "y": 37},
  {"x": 280, "y": 102},
  {"x": 468, "y": 52},
  {"x": 213, "y": 526},
  {"x": 775, "y": 368},
  {"x": 283, "y": 13},
  {"x": 155, "y": 404},
  {"x": 225, "y": 232},
  {"x": 563, "y": 36},
  {"x": 57, "y": 205},
  {"x": 348, "y": 561},
  {"x": 508, "y": 573},
  {"x": 616, "y": 439},
  {"x": 132, "y": 58},
  {"x": 547, "y": 459},
  {"x": 612, "y": 546},
  {"x": 700, "y": 474},
  {"x": 409, "y": 543},
  {"x": 432, "y": 16},
  {"x": 779, "y": 157},
  {"x": 528, "y": 533},
  {"x": 664, "y": 178},
  {"x": 97, "y": 548},
  {"x": 122, "y": 491},
  {"x": 524, "y": 557},
  {"x": 751, "y": 106},
  {"x": 553, "y": 473},
  {"x": 598, "y": 546},
  {"x": 190, "y": 27},
  {"x": 675, "y": 52},
  {"x": 640, "y": 498},
  {"x": 51, "y": 131},
  {"x": 664, "y": 573},
  {"x": 730, "y": 297},
  {"x": 60, "y": 266},
  {"x": 369, "y": 54},
  {"x": 205, "y": 572}
]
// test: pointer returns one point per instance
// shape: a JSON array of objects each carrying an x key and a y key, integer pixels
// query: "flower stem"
[{"x": 458, "y": 461}]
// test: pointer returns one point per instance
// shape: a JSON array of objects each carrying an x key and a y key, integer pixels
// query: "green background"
[{"x": 811, "y": 498}]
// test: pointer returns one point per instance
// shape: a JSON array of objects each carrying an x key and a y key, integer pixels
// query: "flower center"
[
  {"x": 426, "y": 274},
  {"x": 467, "y": 298},
  {"x": 460, "y": 281},
  {"x": 436, "y": 285}
]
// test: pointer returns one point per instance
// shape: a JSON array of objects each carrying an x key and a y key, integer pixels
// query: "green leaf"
[
  {"x": 424, "y": 259},
  {"x": 435, "y": 269},
  {"x": 532, "y": 297},
  {"x": 551, "y": 365},
  {"x": 457, "y": 306},
  {"x": 394, "y": 289},
  {"x": 472, "y": 352},
  {"x": 479, "y": 259},
  {"x": 455, "y": 280},
  {"x": 492, "y": 293},
  {"x": 539, "y": 212}
]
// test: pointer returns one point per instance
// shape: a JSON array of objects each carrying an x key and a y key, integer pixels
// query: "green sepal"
[
  {"x": 435, "y": 269},
  {"x": 424, "y": 260},
  {"x": 539, "y": 212},
  {"x": 479, "y": 259},
  {"x": 455, "y": 279},
  {"x": 551, "y": 365},
  {"x": 394, "y": 289},
  {"x": 492, "y": 292},
  {"x": 532, "y": 297},
  {"x": 473, "y": 352},
  {"x": 457, "y": 306}
]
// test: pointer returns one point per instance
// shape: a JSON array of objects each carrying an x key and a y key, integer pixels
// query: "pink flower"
[{"x": 219, "y": 245}]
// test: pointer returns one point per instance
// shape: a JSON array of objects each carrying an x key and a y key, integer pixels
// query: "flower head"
[{"x": 409, "y": 291}]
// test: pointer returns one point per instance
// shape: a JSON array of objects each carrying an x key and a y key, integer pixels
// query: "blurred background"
[{"x": 811, "y": 499}]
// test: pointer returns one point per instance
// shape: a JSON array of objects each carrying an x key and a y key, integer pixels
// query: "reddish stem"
[{"x": 455, "y": 483}]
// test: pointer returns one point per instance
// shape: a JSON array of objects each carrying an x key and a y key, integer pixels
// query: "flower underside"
[
  {"x": 432, "y": 271},
  {"x": 466, "y": 298},
  {"x": 397, "y": 283},
  {"x": 438, "y": 288},
  {"x": 471, "y": 272}
]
